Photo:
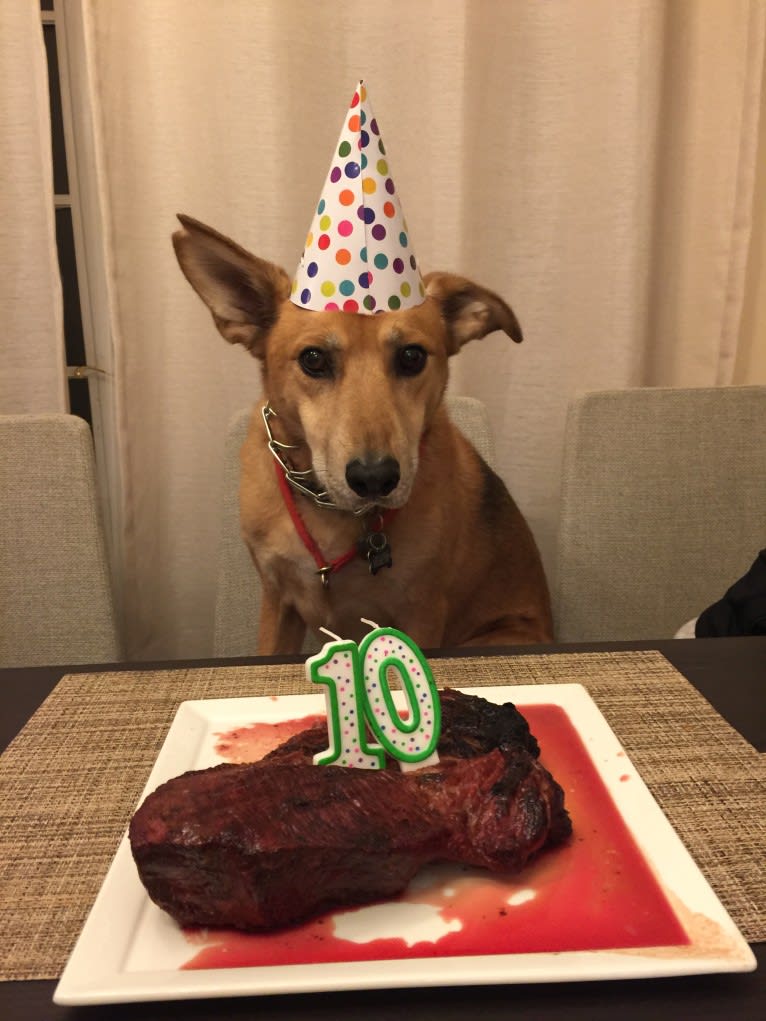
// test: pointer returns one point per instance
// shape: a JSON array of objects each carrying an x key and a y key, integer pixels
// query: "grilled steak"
[{"x": 272, "y": 843}]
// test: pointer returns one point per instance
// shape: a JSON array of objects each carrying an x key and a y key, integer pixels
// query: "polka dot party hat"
[{"x": 358, "y": 256}]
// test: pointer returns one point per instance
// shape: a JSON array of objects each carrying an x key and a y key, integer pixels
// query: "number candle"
[
  {"x": 411, "y": 740},
  {"x": 358, "y": 694},
  {"x": 337, "y": 668}
]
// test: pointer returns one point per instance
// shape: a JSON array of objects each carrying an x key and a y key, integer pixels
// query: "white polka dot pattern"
[{"x": 358, "y": 254}]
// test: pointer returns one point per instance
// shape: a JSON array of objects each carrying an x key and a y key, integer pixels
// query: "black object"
[
  {"x": 742, "y": 610},
  {"x": 376, "y": 548}
]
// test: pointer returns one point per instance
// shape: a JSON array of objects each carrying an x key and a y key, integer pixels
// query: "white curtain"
[
  {"x": 32, "y": 360},
  {"x": 592, "y": 161},
  {"x": 750, "y": 364}
]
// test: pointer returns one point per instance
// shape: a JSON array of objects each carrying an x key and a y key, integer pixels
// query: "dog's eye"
[
  {"x": 315, "y": 362},
  {"x": 411, "y": 360}
]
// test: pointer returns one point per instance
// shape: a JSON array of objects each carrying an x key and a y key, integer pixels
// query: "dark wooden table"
[{"x": 729, "y": 672}]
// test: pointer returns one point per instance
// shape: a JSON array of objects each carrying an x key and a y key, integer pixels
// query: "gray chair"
[
  {"x": 56, "y": 601},
  {"x": 663, "y": 507},
  {"x": 238, "y": 591}
]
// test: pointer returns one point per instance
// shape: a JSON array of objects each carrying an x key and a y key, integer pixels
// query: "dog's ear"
[
  {"x": 243, "y": 292},
  {"x": 470, "y": 311}
]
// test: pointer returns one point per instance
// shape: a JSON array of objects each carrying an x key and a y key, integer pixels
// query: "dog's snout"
[{"x": 373, "y": 478}]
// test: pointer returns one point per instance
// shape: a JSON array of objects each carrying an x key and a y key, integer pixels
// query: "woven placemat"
[{"x": 71, "y": 779}]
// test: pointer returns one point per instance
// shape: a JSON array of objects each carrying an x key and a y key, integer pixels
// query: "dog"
[{"x": 358, "y": 496}]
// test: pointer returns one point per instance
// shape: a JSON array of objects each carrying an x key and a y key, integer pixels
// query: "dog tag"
[
  {"x": 374, "y": 546},
  {"x": 380, "y": 558}
]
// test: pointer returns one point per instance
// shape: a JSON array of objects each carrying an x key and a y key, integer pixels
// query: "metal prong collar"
[{"x": 297, "y": 479}]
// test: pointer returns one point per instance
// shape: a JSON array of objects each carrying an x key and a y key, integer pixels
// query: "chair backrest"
[
  {"x": 663, "y": 507},
  {"x": 238, "y": 592},
  {"x": 56, "y": 602}
]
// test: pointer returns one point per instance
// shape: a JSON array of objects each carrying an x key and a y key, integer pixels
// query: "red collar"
[{"x": 324, "y": 569}]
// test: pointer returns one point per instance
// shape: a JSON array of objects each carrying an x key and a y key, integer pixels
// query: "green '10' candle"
[{"x": 358, "y": 694}]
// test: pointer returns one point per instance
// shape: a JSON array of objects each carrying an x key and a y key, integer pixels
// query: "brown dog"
[{"x": 355, "y": 404}]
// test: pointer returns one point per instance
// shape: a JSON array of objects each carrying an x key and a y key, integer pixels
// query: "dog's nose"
[{"x": 374, "y": 478}]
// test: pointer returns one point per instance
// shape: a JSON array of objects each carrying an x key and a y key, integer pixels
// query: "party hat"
[{"x": 358, "y": 256}]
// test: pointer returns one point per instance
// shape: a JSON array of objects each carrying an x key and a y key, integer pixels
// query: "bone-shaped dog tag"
[
  {"x": 375, "y": 547},
  {"x": 379, "y": 559}
]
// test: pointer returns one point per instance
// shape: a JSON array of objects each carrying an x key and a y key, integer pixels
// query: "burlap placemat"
[{"x": 70, "y": 780}]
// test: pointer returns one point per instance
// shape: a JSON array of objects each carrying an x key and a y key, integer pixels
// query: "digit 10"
[{"x": 357, "y": 692}]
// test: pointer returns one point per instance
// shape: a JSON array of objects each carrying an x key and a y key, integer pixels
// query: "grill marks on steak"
[{"x": 272, "y": 843}]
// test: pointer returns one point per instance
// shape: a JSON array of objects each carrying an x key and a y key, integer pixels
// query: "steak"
[{"x": 269, "y": 844}]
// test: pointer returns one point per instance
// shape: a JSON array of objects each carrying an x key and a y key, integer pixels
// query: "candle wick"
[
  {"x": 371, "y": 623},
  {"x": 330, "y": 634}
]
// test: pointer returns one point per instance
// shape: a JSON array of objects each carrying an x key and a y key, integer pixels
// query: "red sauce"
[
  {"x": 595, "y": 893},
  {"x": 248, "y": 744}
]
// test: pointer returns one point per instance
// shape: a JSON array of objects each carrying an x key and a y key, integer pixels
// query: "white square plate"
[{"x": 129, "y": 950}]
